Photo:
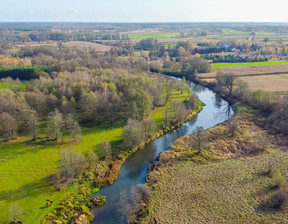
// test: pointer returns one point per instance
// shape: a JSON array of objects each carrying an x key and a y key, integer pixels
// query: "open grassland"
[
  {"x": 232, "y": 180},
  {"x": 80, "y": 44},
  {"x": 230, "y": 32},
  {"x": 225, "y": 192},
  {"x": 252, "y": 70},
  {"x": 83, "y": 44},
  {"x": 267, "y": 77},
  {"x": 248, "y": 64},
  {"x": 12, "y": 86},
  {"x": 138, "y": 53},
  {"x": 270, "y": 83},
  {"x": 141, "y": 36},
  {"x": 26, "y": 167}
]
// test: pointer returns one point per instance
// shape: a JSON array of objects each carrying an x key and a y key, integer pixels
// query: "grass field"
[
  {"x": 229, "y": 32},
  {"x": 141, "y": 36},
  {"x": 225, "y": 184},
  {"x": 249, "y": 64},
  {"x": 270, "y": 83},
  {"x": 158, "y": 113},
  {"x": 12, "y": 86},
  {"x": 83, "y": 44},
  {"x": 226, "y": 192},
  {"x": 138, "y": 53},
  {"x": 25, "y": 167},
  {"x": 167, "y": 46}
]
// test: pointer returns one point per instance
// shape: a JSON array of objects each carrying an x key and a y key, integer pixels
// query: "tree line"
[{"x": 101, "y": 97}]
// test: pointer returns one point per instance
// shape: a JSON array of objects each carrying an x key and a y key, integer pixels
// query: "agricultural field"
[
  {"x": 78, "y": 44},
  {"x": 141, "y": 36},
  {"x": 268, "y": 77},
  {"x": 83, "y": 44},
  {"x": 138, "y": 53},
  {"x": 220, "y": 65},
  {"x": 270, "y": 83},
  {"x": 251, "y": 70}
]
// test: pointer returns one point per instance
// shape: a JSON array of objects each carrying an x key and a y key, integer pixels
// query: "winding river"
[{"x": 135, "y": 168}]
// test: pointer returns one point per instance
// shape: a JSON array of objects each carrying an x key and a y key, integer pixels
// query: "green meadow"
[
  {"x": 248, "y": 64},
  {"x": 141, "y": 36},
  {"x": 26, "y": 167},
  {"x": 11, "y": 86}
]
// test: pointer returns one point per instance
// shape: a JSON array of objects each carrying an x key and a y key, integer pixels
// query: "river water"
[{"x": 134, "y": 170}]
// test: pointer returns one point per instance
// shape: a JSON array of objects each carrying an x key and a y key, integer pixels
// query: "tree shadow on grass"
[{"x": 36, "y": 188}]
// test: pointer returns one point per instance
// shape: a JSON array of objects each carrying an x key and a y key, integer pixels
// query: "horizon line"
[{"x": 155, "y": 22}]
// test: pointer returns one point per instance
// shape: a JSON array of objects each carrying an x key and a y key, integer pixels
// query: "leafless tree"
[
  {"x": 33, "y": 122},
  {"x": 107, "y": 149},
  {"x": 226, "y": 82},
  {"x": 232, "y": 125},
  {"x": 200, "y": 138},
  {"x": 8, "y": 126},
  {"x": 54, "y": 125}
]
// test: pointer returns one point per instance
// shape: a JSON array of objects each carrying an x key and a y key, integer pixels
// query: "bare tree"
[
  {"x": 232, "y": 125},
  {"x": 73, "y": 127},
  {"x": 71, "y": 163},
  {"x": 149, "y": 126},
  {"x": 262, "y": 141},
  {"x": 194, "y": 101},
  {"x": 200, "y": 138},
  {"x": 226, "y": 82},
  {"x": 54, "y": 125},
  {"x": 107, "y": 149},
  {"x": 133, "y": 208},
  {"x": 8, "y": 126},
  {"x": 33, "y": 122},
  {"x": 91, "y": 160}
]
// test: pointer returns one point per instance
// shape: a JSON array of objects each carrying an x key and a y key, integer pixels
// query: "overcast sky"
[{"x": 144, "y": 10}]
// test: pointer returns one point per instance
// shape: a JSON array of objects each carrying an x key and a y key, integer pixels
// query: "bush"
[{"x": 279, "y": 200}]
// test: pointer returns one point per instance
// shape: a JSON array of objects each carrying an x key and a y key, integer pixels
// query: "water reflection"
[{"x": 133, "y": 171}]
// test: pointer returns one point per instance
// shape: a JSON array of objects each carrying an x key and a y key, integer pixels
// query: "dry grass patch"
[
  {"x": 271, "y": 83},
  {"x": 82, "y": 44},
  {"x": 230, "y": 181},
  {"x": 226, "y": 192},
  {"x": 252, "y": 70}
]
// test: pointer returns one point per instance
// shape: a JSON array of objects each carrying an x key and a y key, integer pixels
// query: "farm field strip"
[{"x": 248, "y": 64}]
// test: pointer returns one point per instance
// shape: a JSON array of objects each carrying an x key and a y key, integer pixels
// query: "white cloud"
[{"x": 73, "y": 10}]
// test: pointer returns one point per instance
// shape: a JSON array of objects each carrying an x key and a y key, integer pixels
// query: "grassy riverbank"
[
  {"x": 235, "y": 178},
  {"x": 26, "y": 167}
]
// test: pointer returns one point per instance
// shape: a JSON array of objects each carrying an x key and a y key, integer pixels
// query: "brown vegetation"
[
  {"x": 253, "y": 70},
  {"x": 229, "y": 185}
]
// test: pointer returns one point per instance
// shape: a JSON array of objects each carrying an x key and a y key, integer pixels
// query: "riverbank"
[
  {"x": 239, "y": 177},
  {"x": 111, "y": 175},
  {"x": 135, "y": 168}
]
